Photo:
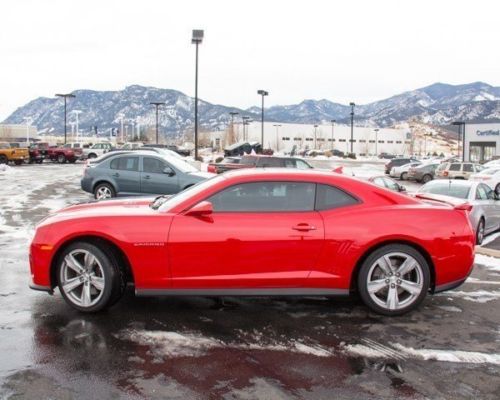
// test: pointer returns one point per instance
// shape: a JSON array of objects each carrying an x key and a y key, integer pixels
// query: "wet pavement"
[{"x": 251, "y": 348}]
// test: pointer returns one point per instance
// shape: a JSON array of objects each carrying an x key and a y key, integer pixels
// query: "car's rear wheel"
[
  {"x": 104, "y": 191},
  {"x": 480, "y": 231},
  {"x": 3, "y": 159},
  {"x": 88, "y": 279},
  {"x": 497, "y": 188},
  {"x": 92, "y": 155},
  {"x": 426, "y": 178},
  {"x": 18, "y": 162},
  {"x": 394, "y": 279},
  {"x": 61, "y": 158},
  {"x": 403, "y": 176}
]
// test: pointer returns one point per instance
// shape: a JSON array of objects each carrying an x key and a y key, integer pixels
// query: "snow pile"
[
  {"x": 399, "y": 352},
  {"x": 477, "y": 296},
  {"x": 174, "y": 344},
  {"x": 6, "y": 169},
  {"x": 487, "y": 261}
]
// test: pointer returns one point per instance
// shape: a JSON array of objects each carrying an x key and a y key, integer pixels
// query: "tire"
[
  {"x": 104, "y": 191},
  {"x": 92, "y": 155},
  {"x": 388, "y": 294},
  {"x": 88, "y": 277},
  {"x": 18, "y": 162},
  {"x": 480, "y": 231},
  {"x": 426, "y": 178},
  {"x": 39, "y": 161},
  {"x": 3, "y": 159},
  {"x": 403, "y": 176},
  {"x": 72, "y": 161},
  {"x": 61, "y": 159},
  {"x": 497, "y": 188}
]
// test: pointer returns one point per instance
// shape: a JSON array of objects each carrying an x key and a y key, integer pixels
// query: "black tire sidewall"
[
  {"x": 403, "y": 176},
  {"x": 365, "y": 267},
  {"x": 483, "y": 223},
  {"x": 111, "y": 277},
  {"x": 61, "y": 159}
]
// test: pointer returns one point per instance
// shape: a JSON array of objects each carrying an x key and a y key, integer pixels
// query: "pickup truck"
[
  {"x": 34, "y": 154},
  {"x": 258, "y": 161},
  {"x": 63, "y": 154},
  {"x": 9, "y": 154}
]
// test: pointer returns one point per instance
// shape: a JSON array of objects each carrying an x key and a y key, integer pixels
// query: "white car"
[
  {"x": 97, "y": 150},
  {"x": 492, "y": 163},
  {"x": 401, "y": 172},
  {"x": 490, "y": 176}
]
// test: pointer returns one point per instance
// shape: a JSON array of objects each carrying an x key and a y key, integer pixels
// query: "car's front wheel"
[
  {"x": 104, "y": 191},
  {"x": 480, "y": 232},
  {"x": 403, "y": 176},
  {"x": 61, "y": 158},
  {"x": 426, "y": 178},
  {"x": 394, "y": 279},
  {"x": 88, "y": 279}
]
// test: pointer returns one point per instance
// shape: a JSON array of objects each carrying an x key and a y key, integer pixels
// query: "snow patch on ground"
[
  {"x": 450, "y": 308},
  {"x": 174, "y": 344},
  {"x": 477, "y": 296},
  {"x": 399, "y": 352},
  {"x": 489, "y": 262},
  {"x": 6, "y": 169},
  {"x": 490, "y": 238}
]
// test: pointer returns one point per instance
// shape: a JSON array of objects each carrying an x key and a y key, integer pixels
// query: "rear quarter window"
[{"x": 329, "y": 197}]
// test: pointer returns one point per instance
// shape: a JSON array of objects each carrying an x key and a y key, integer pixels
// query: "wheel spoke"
[
  {"x": 86, "y": 299},
  {"x": 97, "y": 282},
  {"x": 411, "y": 287},
  {"x": 376, "y": 285},
  {"x": 89, "y": 261},
  {"x": 385, "y": 263},
  {"x": 392, "y": 302},
  {"x": 73, "y": 263},
  {"x": 72, "y": 284},
  {"x": 407, "y": 266}
]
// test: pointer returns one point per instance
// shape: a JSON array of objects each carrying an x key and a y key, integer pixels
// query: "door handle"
[
  {"x": 304, "y": 227},
  {"x": 147, "y": 177},
  {"x": 116, "y": 175}
]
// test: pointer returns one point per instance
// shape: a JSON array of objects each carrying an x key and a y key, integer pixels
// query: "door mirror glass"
[
  {"x": 402, "y": 188},
  {"x": 169, "y": 171},
  {"x": 201, "y": 209}
]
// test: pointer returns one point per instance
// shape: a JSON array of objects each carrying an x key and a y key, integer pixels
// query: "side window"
[
  {"x": 289, "y": 163},
  {"x": 390, "y": 184},
  {"x": 455, "y": 167},
  {"x": 153, "y": 165},
  {"x": 125, "y": 163},
  {"x": 301, "y": 164},
  {"x": 379, "y": 182},
  {"x": 328, "y": 197},
  {"x": 265, "y": 197},
  {"x": 269, "y": 162},
  {"x": 468, "y": 168},
  {"x": 481, "y": 193}
]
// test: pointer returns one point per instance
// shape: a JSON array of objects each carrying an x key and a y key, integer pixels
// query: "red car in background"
[{"x": 257, "y": 232}]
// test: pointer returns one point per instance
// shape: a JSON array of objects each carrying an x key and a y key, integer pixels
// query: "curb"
[{"x": 487, "y": 252}]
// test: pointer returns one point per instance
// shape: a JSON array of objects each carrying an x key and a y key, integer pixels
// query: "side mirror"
[
  {"x": 169, "y": 171},
  {"x": 402, "y": 188},
  {"x": 202, "y": 209}
]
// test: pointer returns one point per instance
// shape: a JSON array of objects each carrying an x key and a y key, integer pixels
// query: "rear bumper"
[
  {"x": 449, "y": 285},
  {"x": 41, "y": 288},
  {"x": 86, "y": 184}
]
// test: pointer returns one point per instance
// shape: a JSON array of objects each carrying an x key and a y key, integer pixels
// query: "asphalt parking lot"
[{"x": 251, "y": 348}]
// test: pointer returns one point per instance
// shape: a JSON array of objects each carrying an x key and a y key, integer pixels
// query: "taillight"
[
  {"x": 211, "y": 168},
  {"x": 445, "y": 173}
]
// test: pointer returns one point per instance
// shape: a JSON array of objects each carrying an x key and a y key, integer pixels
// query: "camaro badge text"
[{"x": 149, "y": 244}]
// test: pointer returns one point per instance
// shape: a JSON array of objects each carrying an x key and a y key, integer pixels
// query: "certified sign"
[{"x": 489, "y": 132}]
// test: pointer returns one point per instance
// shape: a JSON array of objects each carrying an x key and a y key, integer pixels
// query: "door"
[
  {"x": 487, "y": 203},
  {"x": 124, "y": 171},
  {"x": 468, "y": 170},
  {"x": 155, "y": 179},
  {"x": 261, "y": 235}
]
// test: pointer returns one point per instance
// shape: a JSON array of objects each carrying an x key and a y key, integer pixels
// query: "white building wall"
[
  {"x": 482, "y": 133},
  {"x": 284, "y": 137}
]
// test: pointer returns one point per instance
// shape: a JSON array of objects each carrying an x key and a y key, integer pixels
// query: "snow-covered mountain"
[{"x": 436, "y": 104}]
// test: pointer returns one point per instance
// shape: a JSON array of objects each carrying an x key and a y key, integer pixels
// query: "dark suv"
[{"x": 397, "y": 162}]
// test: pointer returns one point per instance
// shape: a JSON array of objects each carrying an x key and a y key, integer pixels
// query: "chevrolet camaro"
[{"x": 257, "y": 233}]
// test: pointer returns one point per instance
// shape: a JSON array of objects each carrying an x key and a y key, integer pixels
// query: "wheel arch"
[
  {"x": 102, "y": 180},
  {"x": 417, "y": 247},
  {"x": 104, "y": 244}
]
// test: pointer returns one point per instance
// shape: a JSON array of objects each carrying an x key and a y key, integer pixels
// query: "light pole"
[
  {"x": 333, "y": 126},
  {"x": 352, "y": 125},
  {"x": 277, "y": 137},
  {"x": 232, "y": 114},
  {"x": 412, "y": 141},
  {"x": 376, "y": 141},
  {"x": 460, "y": 124},
  {"x": 245, "y": 123},
  {"x": 121, "y": 116},
  {"x": 28, "y": 120},
  {"x": 196, "y": 40},
  {"x": 157, "y": 104},
  {"x": 262, "y": 93},
  {"x": 315, "y": 127},
  {"x": 65, "y": 96},
  {"x": 77, "y": 113}
]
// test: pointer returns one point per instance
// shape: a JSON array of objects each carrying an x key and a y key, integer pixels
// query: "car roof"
[{"x": 452, "y": 182}]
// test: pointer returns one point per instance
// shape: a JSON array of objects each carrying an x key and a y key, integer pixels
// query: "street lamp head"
[
  {"x": 70, "y": 95},
  {"x": 233, "y": 113},
  {"x": 352, "y": 104},
  {"x": 197, "y": 36},
  {"x": 376, "y": 129},
  {"x": 245, "y": 117},
  {"x": 315, "y": 125},
  {"x": 262, "y": 92},
  {"x": 333, "y": 121},
  {"x": 458, "y": 123},
  {"x": 157, "y": 103}
]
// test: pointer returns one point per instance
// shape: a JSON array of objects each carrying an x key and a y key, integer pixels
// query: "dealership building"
[
  {"x": 482, "y": 142},
  {"x": 282, "y": 137},
  {"x": 17, "y": 132}
]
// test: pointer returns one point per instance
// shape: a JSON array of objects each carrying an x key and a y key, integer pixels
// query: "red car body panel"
[{"x": 169, "y": 250}]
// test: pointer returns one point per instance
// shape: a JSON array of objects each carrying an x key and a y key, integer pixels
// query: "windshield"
[
  {"x": 181, "y": 165},
  {"x": 178, "y": 198},
  {"x": 447, "y": 188}
]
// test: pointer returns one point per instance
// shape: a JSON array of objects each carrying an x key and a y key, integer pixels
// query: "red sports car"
[{"x": 253, "y": 233}]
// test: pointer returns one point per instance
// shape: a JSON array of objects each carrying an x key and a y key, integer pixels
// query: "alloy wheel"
[
  {"x": 103, "y": 192},
  {"x": 395, "y": 281},
  {"x": 82, "y": 278}
]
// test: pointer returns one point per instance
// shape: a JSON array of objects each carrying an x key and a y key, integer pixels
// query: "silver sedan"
[{"x": 485, "y": 213}]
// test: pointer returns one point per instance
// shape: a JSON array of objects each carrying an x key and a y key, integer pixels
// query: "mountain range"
[{"x": 437, "y": 104}]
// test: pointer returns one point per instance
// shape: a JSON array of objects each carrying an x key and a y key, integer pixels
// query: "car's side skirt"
[{"x": 244, "y": 292}]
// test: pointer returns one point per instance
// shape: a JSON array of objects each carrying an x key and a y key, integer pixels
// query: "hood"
[
  {"x": 95, "y": 204},
  {"x": 203, "y": 175}
]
